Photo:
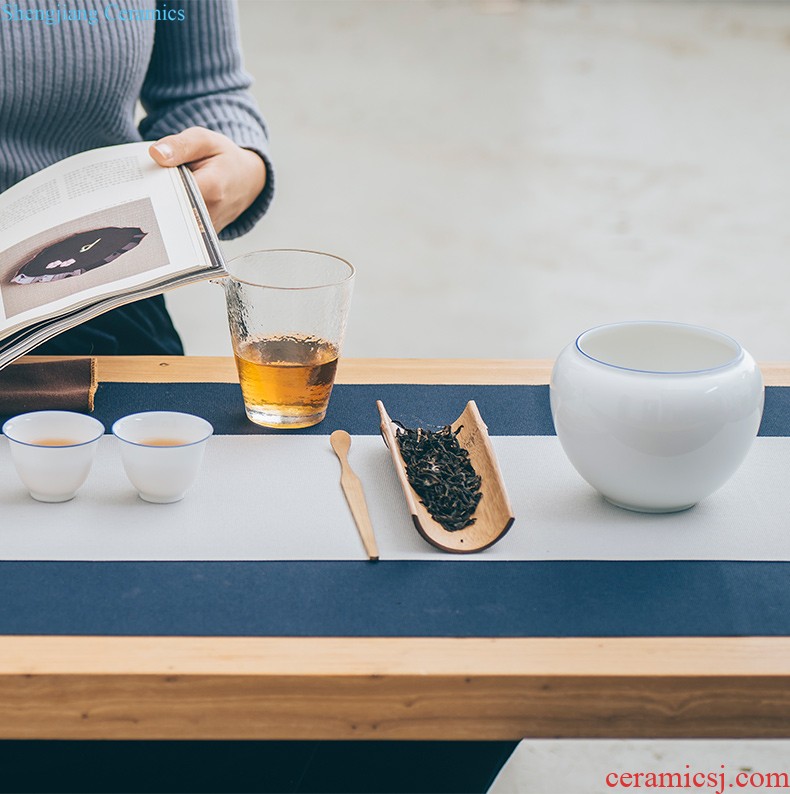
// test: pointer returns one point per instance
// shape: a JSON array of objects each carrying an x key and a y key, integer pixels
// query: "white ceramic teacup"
[
  {"x": 161, "y": 452},
  {"x": 656, "y": 415},
  {"x": 53, "y": 451}
]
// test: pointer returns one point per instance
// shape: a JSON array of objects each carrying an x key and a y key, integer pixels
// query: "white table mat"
[{"x": 279, "y": 498}]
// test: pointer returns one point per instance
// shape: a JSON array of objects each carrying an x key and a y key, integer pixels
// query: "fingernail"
[{"x": 164, "y": 149}]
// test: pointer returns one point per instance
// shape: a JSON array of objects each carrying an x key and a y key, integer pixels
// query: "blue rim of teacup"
[
  {"x": 169, "y": 446},
  {"x": 738, "y": 356},
  {"x": 49, "y": 446}
]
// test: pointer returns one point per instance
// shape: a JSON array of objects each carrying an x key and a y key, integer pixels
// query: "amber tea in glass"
[
  {"x": 287, "y": 311},
  {"x": 287, "y": 377}
]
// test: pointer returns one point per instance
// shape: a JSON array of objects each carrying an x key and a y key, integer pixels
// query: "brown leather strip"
[{"x": 67, "y": 384}]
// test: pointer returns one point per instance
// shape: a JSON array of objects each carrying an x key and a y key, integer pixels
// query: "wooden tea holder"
[{"x": 494, "y": 514}]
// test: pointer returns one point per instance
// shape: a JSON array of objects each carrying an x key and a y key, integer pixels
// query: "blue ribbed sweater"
[{"x": 73, "y": 85}]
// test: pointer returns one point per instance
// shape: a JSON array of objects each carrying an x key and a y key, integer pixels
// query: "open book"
[{"x": 92, "y": 232}]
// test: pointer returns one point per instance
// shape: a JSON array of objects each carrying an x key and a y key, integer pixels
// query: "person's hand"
[{"x": 229, "y": 177}]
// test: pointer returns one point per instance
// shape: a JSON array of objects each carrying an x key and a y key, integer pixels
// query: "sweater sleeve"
[{"x": 195, "y": 78}]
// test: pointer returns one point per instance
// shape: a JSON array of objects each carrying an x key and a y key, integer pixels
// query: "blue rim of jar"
[
  {"x": 169, "y": 446},
  {"x": 738, "y": 356},
  {"x": 49, "y": 446}
]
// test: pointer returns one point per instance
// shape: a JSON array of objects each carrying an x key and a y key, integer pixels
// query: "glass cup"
[{"x": 287, "y": 313}]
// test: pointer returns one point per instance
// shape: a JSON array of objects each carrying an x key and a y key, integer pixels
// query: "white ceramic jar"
[{"x": 656, "y": 415}]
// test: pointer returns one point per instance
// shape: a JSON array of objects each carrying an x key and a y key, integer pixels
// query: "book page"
[{"x": 99, "y": 223}]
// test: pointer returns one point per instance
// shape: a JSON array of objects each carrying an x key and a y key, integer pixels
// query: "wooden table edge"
[
  {"x": 393, "y": 688},
  {"x": 221, "y": 369},
  {"x": 549, "y": 657}
]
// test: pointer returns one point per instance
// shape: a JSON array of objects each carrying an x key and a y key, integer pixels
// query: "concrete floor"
[
  {"x": 506, "y": 174},
  {"x": 581, "y": 767}
]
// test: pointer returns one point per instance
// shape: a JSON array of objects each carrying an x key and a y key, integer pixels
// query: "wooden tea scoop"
[{"x": 355, "y": 496}]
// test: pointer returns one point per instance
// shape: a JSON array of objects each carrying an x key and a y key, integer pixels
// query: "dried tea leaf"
[{"x": 440, "y": 472}]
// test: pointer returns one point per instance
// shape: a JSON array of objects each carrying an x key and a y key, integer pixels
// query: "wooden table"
[{"x": 389, "y": 688}]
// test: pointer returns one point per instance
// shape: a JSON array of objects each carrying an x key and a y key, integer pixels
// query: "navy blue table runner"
[{"x": 449, "y": 598}]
